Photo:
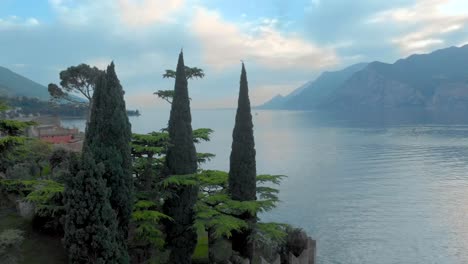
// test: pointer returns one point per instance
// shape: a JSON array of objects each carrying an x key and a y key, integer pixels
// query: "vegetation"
[
  {"x": 141, "y": 197},
  {"x": 11, "y": 136},
  {"x": 26, "y": 106},
  {"x": 242, "y": 170},
  {"x": 10, "y": 240},
  {"x": 181, "y": 159},
  {"x": 107, "y": 140},
  {"x": 190, "y": 73},
  {"x": 80, "y": 80},
  {"x": 90, "y": 224}
]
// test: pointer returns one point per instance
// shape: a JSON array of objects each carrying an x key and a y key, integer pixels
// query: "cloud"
[
  {"x": 13, "y": 22},
  {"x": 224, "y": 44},
  {"x": 130, "y": 13},
  {"x": 80, "y": 13},
  {"x": 144, "y": 100},
  {"x": 430, "y": 24},
  {"x": 147, "y": 12}
]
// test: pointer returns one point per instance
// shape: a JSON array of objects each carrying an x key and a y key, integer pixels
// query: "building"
[{"x": 49, "y": 129}]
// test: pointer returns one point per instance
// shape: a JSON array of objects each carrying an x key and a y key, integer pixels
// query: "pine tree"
[
  {"x": 181, "y": 159},
  {"x": 242, "y": 172},
  {"x": 11, "y": 136},
  {"x": 90, "y": 224},
  {"x": 108, "y": 137}
]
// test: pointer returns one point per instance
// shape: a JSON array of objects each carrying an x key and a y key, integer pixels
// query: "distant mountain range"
[
  {"x": 435, "y": 81},
  {"x": 13, "y": 85}
]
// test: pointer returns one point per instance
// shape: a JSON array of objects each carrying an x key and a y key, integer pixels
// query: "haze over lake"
[{"x": 380, "y": 189}]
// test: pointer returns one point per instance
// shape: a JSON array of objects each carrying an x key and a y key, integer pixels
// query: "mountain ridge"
[
  {"x": 13, "y": 84},
  {"x": 433, "y": 81}
]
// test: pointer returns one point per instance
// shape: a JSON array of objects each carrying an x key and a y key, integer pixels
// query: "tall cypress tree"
[
  {"x": 90, "y": 224},
  {"x": 242, "y": 171},
  {"x": 181, "y": 159},
  {"x": 108, "y": 137}
]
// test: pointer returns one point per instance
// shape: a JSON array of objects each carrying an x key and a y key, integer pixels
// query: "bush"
[
  {"x": 19, "y": 172},
  {"x": 10, "y": 241}
]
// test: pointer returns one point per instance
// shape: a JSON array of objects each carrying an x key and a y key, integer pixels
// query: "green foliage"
[
  {"x": 107, "y": 140},
  {"x": 242, "y": 169},
  {"x": 13, "y": 127},
  {"x": 90, "y": 224},
  {"x": 166, "y": 95},
  {"x": 272, "y": 231},
  {"x": 216, "y": 210},
  {"x": 270, "y": 239},
  {"x": 80, "y": 79},
  {"x": 33, "y": 155},
  {"x": 189, "y": 73},
  {"x": 202, "y": 134},
  {"x": 45, "y": 191},
  {"x": 154, "y": 143},
  {"x": 149, "y": 215},
  {"x": 147, "y": 220},
  {"x": 267, "y": 178},
  {"x": 3, "y": 106},
  {"x": 7, "y": 143},
  {"x": 46, "y": 195},
  {"x": 34, "y": 106},
  {"x": 213, "y": 179},
  {"x": 181, "y": 159},
  {"x": 10, "y": 137},
  {"x": 200, "y": 255},
  {"x": 21, "y": 187},
  {"x": 180, "y": 180}
]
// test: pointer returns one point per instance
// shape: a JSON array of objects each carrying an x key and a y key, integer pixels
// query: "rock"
[
  {"x": 236, "y": 259},
  {"x": 220, "y": 251},
  {"x": 312, "y": 250},
  {"x": 307, "y": 256},
  {"x": 276, "y": 261},
  {"x": 25, "y": 209}
]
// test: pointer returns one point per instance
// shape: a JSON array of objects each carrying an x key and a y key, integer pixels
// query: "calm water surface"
[{"x": 385, "y": 190}]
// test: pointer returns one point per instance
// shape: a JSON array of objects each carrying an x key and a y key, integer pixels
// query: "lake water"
[{"x": 382, "y": 189}]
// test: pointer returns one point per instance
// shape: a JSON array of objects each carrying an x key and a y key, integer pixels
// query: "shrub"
[{"x": 10, "y": 241}]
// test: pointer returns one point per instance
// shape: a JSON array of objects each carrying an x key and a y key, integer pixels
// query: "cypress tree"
[
  {"x": 108, "y": 137},
  {"x": 89, "y": 223},
  {"x": 242, "y": 172},
  {"x": 181, "y": 159}
]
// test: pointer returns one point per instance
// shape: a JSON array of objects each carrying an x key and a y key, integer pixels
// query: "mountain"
[
  {"x": 311, "y": 94},
  {"x": 13, "y": 84},
  {"x": 278, "y": 101},
  {"x": 434, "y": 81}
]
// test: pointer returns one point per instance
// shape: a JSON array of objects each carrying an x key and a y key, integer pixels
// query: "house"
[{"x": 50, "y": 130}]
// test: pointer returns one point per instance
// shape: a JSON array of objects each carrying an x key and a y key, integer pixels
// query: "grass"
[
  {"x": 10, "y": 220},
  {"x": 37, "y": 248},
  {"x": 200, "y": 256}
]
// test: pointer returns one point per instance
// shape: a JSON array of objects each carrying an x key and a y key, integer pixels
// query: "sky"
[{"x": 283, "y": 43}]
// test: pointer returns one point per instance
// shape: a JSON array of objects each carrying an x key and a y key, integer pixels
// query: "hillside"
[
  {"x": 435, "y": 81},
  {"x": 13, "y": 84}
]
